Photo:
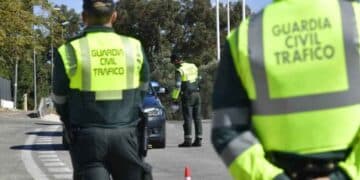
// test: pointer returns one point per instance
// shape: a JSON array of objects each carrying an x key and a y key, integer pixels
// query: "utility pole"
[
  {"x": 228, "y": 16},
  {"x": 243, "y": 9},
  {"x": 35, "y": 93},
  {"x": 218, "y": 30},
  {"x": 52, "y": 42},
  {"x": 16, "y": 82},
  {"x": 52, "y": 57}
]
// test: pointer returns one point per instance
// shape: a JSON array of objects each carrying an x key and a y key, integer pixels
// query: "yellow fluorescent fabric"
[
  {"x": 300, "y": 132},
  {"x": 252, "y": 165},
  {"x": 189, "y": 72},
  {"x": 311, "y": 42},
  {"x": 104, "y": 62},
  {"x": 175, "y": 93},
  {"x": 352, "y": 164},
  {"x": 239, "y": 50}
]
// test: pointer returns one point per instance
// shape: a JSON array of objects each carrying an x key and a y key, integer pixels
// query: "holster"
[
  {"x": 69, "y": 132},
  {"x": 143, "y": 133}
]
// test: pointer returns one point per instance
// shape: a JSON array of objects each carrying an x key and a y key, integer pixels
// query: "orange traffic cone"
[{"x": 187, "y": 173}]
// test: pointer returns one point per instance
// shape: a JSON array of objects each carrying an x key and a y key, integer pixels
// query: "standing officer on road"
[
  {"x": 286, "y": 98},
  {"x": 99, "y": 77},
  {"x": 187, "y": 86}
]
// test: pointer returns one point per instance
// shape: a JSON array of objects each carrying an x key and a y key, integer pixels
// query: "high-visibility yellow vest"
[
  {"x": 189, "y": 72},
  {"x": 189, "y": 77},
  {"x": 301, "y": 73},
  {"x": 103, "y": 62}
]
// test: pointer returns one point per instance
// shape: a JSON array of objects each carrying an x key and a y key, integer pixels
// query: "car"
[{"x": 156, "y": 116}]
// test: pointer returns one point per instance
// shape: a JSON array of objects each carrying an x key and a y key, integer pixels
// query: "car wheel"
[{"x": 162, "y": 142}]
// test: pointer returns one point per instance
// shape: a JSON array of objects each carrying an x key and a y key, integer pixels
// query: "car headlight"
[{"x": 153, "y": 111}]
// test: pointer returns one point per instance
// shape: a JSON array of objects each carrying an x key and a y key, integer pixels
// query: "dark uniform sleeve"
[
  {"x": 144, "y": 76},
  {"x": 60, "y": 81},
  {"x": 145, "y": 70},
  {"x": 229, "y": 96},
  {"x": 231, "y": 132},
  {"x": 60, "y": 87}
]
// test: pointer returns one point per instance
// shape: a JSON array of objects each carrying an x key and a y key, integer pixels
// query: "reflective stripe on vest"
[
  {"x": 264, "y": 104},
  {"x": 103, "y": 67},
  {"x": 189, "y": 72},
  {"x": 290, "y": 107}
]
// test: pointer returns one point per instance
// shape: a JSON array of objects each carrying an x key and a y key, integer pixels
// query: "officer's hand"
[{"x": 175, "y": 107}]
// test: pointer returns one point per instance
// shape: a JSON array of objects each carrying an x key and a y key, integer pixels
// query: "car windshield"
[
  {"x": 150, "y": 91},
  {"x": 153, "y": 87}
]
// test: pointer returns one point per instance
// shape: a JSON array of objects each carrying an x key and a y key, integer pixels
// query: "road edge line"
[{"x": 28, "y": 160}]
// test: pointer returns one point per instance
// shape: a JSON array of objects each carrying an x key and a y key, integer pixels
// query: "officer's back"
[
  {"x": 293, "y": 74},
  {"x": 99, "y": 79}
]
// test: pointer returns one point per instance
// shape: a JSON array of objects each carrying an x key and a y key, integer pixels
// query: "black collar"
[{"x": 92, "y": 29}]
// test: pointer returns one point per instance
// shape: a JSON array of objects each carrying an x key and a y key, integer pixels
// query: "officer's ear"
[{"x": 114, "y": 17}]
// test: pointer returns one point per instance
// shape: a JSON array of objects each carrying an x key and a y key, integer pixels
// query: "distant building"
[{"x": 5, "y": 94}]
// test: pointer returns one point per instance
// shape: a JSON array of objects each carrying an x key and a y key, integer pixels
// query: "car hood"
[{"x": 151, "y": 101}]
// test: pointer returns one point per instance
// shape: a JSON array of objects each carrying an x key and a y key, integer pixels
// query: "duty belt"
[{"x": 303, "y": 167}]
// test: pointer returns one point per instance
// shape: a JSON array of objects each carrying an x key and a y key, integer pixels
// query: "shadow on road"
[
  {"x": 48, "y": 123},
  {"x": 40, "y": 147},
  {"x": 46, "y": 133}
]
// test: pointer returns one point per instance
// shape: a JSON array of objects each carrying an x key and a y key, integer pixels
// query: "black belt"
[{"x": 306, "y": 167}]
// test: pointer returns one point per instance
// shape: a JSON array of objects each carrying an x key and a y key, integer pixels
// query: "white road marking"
[
  {"x": 43, "y": 143},
  {"x": 46, "y": 152},
  {"x": 59, "y": 170},
  {"x": 63, "y": 176},
  {"x": 48, "y": 156},
  {"x": 52, "y": 164},
  {"x": 29, "y": 162},
  {"x": 44, "y": 140},
  {"x": 50, "y": 160}
]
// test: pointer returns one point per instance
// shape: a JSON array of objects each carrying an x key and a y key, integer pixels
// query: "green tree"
[
  {"x": 21, "y": 32},
  {"x": 187, "y": 27}
]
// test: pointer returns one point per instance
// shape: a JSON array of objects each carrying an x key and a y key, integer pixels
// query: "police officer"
[
  {"x": 187, "y": 86},
  {"x": 286, "y": 98},
  {"x": 99, "y": 78}
]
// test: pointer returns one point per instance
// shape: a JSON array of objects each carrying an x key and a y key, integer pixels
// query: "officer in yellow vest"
[
  {"x": 99, "y": 79},
  {"x": 187, "y": 86},
  {"x": 287, "y": 94}
]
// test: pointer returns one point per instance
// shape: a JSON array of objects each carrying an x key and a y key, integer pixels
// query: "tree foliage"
[
  {"x": 23, "y": 32},
  {"x": 187, "y": 27}
]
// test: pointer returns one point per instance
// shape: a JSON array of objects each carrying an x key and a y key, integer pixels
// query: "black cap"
[
  {"x": 93, "y": 5},
  {"x": 174, "y": 57}
]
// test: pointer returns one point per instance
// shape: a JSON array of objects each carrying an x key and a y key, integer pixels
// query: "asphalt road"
[
  {"x": 169, "y": 163},
  {"x": 31, "y": 149}
]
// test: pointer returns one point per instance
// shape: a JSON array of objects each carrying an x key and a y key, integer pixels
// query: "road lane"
[{"x": 42, "y": 140}]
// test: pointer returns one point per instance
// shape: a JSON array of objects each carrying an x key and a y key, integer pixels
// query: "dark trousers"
[
  {"x": 191, "y": 109},
  {"x": 98, "y": 153}
]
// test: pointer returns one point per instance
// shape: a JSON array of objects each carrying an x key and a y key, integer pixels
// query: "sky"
[{"x": 255, "y": 5}]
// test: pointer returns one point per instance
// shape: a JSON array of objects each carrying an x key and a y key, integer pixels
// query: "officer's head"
[
  {"x": 99, "y": 12},
  {"x": 175, "y": 59}
]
